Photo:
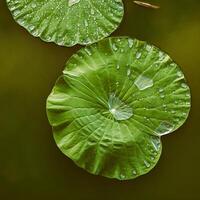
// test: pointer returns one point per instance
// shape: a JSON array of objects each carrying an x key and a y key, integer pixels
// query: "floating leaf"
[
  {"x": 113, "y": 102},
  {"x": 68, "y": 22}
]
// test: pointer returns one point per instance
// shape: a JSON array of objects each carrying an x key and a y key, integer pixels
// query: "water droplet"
[
  {"x": 143, "y": 82},
  {"x": 33, "y": 5},
  {"x": 138, "y": 55},
  {"x": 160, "y": 90},
  {"x": 118, "y": 109},
  {"x": 164, "y": 128},
  {"x": 114, "y": 47},
  {"x": 183, "y": 85},
  {"x": 147, "y": 164},
  {"x": 152, "y": 158},
  {"x": 31, "y": 28},
  {"x": 92, "y": 12},
  {"x": 161, "y": 55},
  {"x": 35, "y": 32},
  {"x": 128, "y": 72},
  {"x": 173, "y": 65},
  {"x": 184, "y": 114},
  {"x": 134, "y": 172},
  {"x": 155, "y": 144},
  {"x": 122, "y": 176},
  {"x": 187, "y": 95},
  {"x": 164, "y": 106},
  {"x": 118, "y": 66},
  {"x": 86, "y": 23},
  {"x": 148, "y": 47},
  {"x": 179, "y": 74},
  {"x": 88, "y": 51},
  {"x": 73, "y": 2},
  {"x": 16, "y": 12},
  {"x": 130, "y": 43},
  {"x": 162, "y": 96},
  {"x": 177, "y": 120}
]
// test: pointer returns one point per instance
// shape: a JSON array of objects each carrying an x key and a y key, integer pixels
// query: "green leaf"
[
  {"x": 112, "y": 104},
  {"x": 68, "y": 22}
]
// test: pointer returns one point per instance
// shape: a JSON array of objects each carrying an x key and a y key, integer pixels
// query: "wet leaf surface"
[{"x": 113, "y": 102}]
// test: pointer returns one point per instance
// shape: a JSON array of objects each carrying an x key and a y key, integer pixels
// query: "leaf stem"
[{"x": 146, "y": 5}]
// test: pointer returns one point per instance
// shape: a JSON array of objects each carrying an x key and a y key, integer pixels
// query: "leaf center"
[{"x": 118, "y": 109}]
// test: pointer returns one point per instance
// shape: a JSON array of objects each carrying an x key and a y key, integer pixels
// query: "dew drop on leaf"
[
  {"x": 164, "y": 128},
  {"x": 147, "y": 164},
  {"x": 119, "y": 109},
  {"x": 72, "y": 2},
  {"x": 138, "y": 55},
  {"x": 143, "y": 82},
  {"x": 130, "y": 43}
]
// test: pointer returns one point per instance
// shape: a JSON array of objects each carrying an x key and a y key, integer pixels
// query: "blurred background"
[{"x": 32, "y": 167}]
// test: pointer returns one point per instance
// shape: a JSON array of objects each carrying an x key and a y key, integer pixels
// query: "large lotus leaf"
[
  {"x": 112, "y": 104},
  {"x": 68, "y": 22}
]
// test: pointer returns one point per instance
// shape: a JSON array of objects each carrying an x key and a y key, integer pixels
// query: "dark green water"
[{"x": 32, "y": 167}]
